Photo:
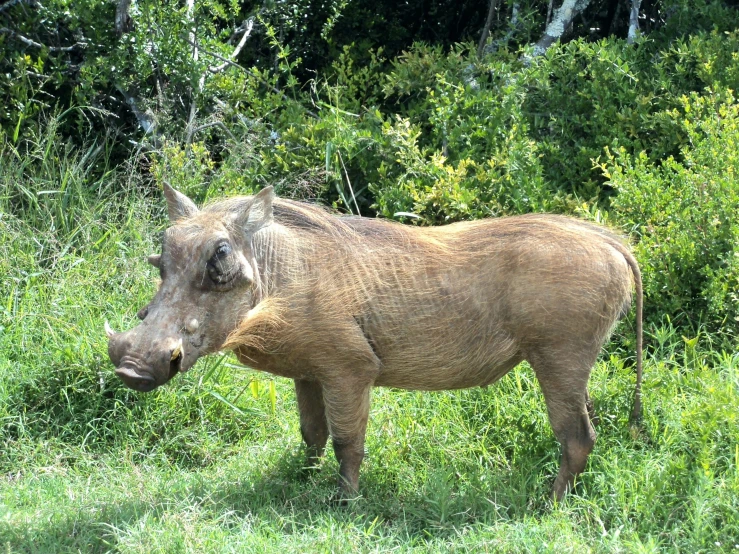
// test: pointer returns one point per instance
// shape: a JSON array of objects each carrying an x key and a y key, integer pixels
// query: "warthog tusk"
[
  {"x": 177, "y": 351},
  {"x": 108, "y": 330}
]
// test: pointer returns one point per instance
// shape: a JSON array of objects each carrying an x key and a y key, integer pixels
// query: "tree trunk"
[
  {"x": 123, "y": 21},
  {"x": 562, "y": 19},
  {"x": 633, "y": 22},
  {"x": 549, "y": 12}
]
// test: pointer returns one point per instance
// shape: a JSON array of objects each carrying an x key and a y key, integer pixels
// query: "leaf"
[
  {"x": 17, "y": 128},
  {"x": 227, "y": 403},
  {"x": 273, "y": 395},
  {"x": 691, "y": 343}
]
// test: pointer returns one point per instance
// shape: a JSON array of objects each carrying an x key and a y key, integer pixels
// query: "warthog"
[{"x": 341, "y": 304}]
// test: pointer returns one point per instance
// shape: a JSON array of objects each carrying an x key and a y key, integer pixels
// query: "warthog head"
[{"x": 209, "y": 281}]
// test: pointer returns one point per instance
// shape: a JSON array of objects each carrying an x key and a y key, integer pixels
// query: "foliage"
[
  {"x": 683, "y": 214},
  {"x": 66, "y": 241},
  {"x": 341, "y": 103},
  {"x": 461, "y": 148},
  {"x": 591, "y": 95},
  {"x": 384, "y": 109}
]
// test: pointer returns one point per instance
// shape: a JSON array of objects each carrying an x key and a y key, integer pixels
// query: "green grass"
[{"x": 213, "y": 462}]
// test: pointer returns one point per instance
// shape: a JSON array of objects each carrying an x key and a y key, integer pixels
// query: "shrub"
[
  {"x": 684, "y": 214},
  {"x": 461, "y": 148}
]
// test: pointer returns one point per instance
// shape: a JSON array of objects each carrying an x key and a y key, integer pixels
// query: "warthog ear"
[
  {"x": 259, "y": 213},
  {"x": 178, "y": 205}
]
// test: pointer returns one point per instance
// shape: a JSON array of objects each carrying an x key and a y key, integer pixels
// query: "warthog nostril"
[{"x": 142, "y": 313}]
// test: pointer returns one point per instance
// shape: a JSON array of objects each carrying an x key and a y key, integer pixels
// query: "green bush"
[
  {"x": 683, "y": 215},
  {"x": 587, "y": 96},
  {"x": 461, "y": 149},
  {"x": 337, "y": 103}
]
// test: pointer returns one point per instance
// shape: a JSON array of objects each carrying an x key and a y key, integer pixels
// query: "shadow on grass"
[{"x": 287, "y": 499}]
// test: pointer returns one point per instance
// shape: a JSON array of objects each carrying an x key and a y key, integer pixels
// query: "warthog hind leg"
[
  {"x": 594, "y": 419},
  {"x": 313, "y": 425},
  {"x": 566, "y": 397}
]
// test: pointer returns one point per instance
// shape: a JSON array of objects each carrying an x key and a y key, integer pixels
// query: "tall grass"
[
  {"x": 73, "y": 238},
  {"x": 213, "y": 463}
]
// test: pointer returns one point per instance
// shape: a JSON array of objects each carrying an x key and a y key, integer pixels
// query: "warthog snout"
[{"x": 151, "y": 366}]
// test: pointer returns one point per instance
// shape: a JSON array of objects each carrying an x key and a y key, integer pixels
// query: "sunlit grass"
[{"x": 211, "y": 464}]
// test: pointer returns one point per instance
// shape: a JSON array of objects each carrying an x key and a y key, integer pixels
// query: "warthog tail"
[
  {"x": 634, "y": 266},
  {"x": 636, "y": 412},
  {"x": 629, "y": 257}
]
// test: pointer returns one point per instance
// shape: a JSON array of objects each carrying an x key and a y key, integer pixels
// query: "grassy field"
[{"x": 213, "y": 461}]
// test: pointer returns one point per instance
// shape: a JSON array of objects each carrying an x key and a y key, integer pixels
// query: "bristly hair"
[{"x": 263, "y": 328}]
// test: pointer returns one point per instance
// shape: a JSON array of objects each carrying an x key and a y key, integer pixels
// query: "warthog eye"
[
  {"x": 223, "y": 250},
  {"x": 221, "y": 267}
]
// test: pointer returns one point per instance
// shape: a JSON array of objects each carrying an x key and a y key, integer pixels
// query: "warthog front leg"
[
  {"x": 347, "y": 408},
  {"x": 313, "y": 425}
]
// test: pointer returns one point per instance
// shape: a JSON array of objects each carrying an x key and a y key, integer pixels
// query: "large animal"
[{"x": 342, "y": 304}]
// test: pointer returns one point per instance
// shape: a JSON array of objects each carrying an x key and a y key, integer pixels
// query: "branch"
[
  {"x": 633, "y": 22},
  {"x": 29, "y": 42},
  {"x": 225, "y": 61},
  {"x": 611, "y": 15},
  {"x": 560, "y": 22},
  {"x": 146, "y": 120},
  {"x": 486, "y": 28},
  {"x": 549, "y": 11},
  {"x": 253, "y": 74},
  {"x": 201, "y": 81},
  {"x": 249, "y": 26},
  {"x": 214, "y": 124},
  {"x": 512, "y": 30},
  {"x": 12, "y": 3},
  {"x": 192, "y": 41},
  {"x": 190, "y": 120}
]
